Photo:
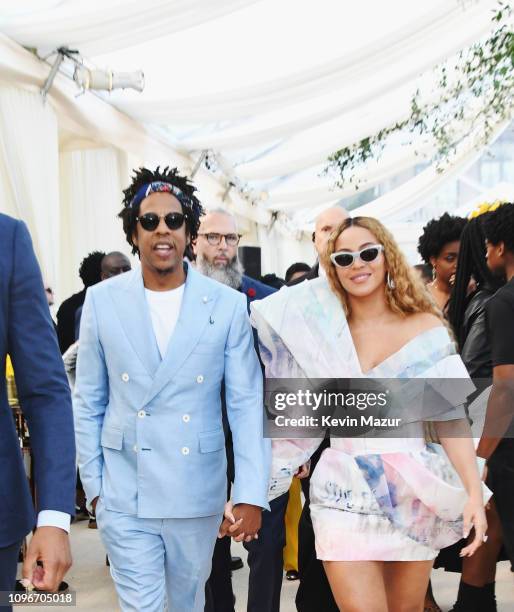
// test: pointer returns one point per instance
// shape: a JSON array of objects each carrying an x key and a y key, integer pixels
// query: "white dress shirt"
[{"x": 54, "y": 518}]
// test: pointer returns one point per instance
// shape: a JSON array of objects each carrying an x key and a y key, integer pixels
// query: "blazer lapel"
[
  {"x": 132, "y": 310},
  {"x": 195, "y": 312}
]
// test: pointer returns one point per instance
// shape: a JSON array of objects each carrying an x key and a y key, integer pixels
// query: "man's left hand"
[
  {"x": 242, "y": 522},
  {"x": 51, "y": 546}
]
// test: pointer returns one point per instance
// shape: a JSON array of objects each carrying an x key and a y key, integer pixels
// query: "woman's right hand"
[{"x": 474, "y": 516}]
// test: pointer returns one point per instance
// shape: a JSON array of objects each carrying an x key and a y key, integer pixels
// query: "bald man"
[
  {"x": 326, "y": 222},
  {"x": 314, "y": 591}
]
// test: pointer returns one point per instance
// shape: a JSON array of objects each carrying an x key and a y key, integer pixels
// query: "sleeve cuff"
[{"x": 54, "y": 518}]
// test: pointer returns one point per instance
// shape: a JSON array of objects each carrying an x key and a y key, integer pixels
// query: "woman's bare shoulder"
[{"x": 423, "y": 321}]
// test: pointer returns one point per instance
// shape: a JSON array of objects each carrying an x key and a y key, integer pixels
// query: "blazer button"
[
  {"x": 199, "y": 379},
  {"x": 186, "y": 418},
  {"x": 141, "y": 414},
  {"x": 185, "y": 450},
  {"x": 125, "y": 377}
]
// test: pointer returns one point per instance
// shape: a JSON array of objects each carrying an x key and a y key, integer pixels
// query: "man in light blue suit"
[{"x": 155, "y": 346}]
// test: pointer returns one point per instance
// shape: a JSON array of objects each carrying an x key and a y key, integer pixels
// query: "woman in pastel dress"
[{"x": 381, "y": 507}]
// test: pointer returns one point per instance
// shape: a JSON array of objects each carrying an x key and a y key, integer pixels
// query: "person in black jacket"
[
  {"x": 90, "y": 272},
  {"x": 466, "y": 312},
  {"x": 467, "y": 316}
]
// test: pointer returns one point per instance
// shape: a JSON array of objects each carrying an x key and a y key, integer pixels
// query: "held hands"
[
  {"x": 241, "y": 521},
  {"x": 50, "y": 545},
  {"x": 474, "y": 516}
]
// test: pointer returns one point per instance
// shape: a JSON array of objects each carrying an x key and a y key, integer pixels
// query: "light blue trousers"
[{"x": 154, "y": 558}]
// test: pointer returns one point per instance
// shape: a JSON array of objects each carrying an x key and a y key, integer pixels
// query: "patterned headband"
[{"x": 156, "y": 187}]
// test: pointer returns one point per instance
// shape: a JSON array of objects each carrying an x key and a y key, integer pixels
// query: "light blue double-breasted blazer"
[{"x": 149, "y": 431}]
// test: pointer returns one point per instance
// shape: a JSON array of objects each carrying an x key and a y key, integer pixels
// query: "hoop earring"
[{"x": 390, "y": 282}]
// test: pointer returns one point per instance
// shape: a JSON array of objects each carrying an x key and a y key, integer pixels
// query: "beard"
[{"x": 231, "y": 274}]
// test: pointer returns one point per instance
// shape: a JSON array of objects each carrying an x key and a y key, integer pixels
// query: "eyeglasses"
[
  {"x": 345, "y": 259},
  {"x": 150, "y": 221},
  {"x": 215, "y": 239}
]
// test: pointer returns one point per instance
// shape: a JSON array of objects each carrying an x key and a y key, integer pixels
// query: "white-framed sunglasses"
[{"x": 345, "y": 259}]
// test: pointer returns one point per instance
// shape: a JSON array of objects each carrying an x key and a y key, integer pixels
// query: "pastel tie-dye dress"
[{"x": 390, "y": 499}]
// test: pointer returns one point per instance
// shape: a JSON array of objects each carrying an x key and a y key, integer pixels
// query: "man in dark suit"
[
  {"x": 27, "y": 335},
  {"x": 216, "y": 257},
  {"x": 314, "y": 593}
]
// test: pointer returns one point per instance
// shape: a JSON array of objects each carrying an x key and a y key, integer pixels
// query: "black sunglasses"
[
  {"x": 150, "y": 221},
  {"x": 345, "y": 259}
]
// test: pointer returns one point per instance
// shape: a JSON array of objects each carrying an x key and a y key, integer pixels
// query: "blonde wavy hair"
[{"x": 409, "y": 295}]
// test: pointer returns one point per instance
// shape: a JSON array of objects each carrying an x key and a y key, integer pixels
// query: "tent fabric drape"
[
  {"x": 29, "y": 172},
  {"x": 387, "y": 80},
  {"x": 91, "y": 183},
  {"x": 113, "y": 25},
  {"x": 87, "y": 116},
  {"x": 268, "y": 134},
  {"x": 446, "y": 27},
  {"x": 278, "y": 252},
  {"x": 368, "y": 175},
  {"x": 410, "y": 193}
]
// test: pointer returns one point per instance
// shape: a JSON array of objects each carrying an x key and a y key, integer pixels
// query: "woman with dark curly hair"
[{"x": 439, "y": 246}]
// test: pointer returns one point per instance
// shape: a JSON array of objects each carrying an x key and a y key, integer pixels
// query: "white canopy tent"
[{"x": 268, "y": 88}]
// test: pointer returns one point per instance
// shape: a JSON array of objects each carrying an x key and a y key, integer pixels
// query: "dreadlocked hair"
[
  {"x": 472, "y": 262},
  {"x": 190, "y": 203},
  {"x": 409, "y": 295},
  {"x": 437, "y": 233},
  {"x": 499, "y": 226}
]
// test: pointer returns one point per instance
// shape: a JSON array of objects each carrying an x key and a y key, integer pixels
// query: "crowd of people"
[{"x": 168, "y": 364}]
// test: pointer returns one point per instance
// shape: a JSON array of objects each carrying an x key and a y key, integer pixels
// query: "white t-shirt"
[{"x": 164, "y": 309}]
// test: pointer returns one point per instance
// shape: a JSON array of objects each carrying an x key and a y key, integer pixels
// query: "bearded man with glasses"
[{"x": 156, "y": 344}]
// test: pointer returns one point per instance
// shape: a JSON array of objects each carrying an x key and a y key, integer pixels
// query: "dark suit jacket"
[
  {"x": 254, "y": 290},
  {"x": 27, "y": 335},
  {"x": 66, "y": 320}
]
